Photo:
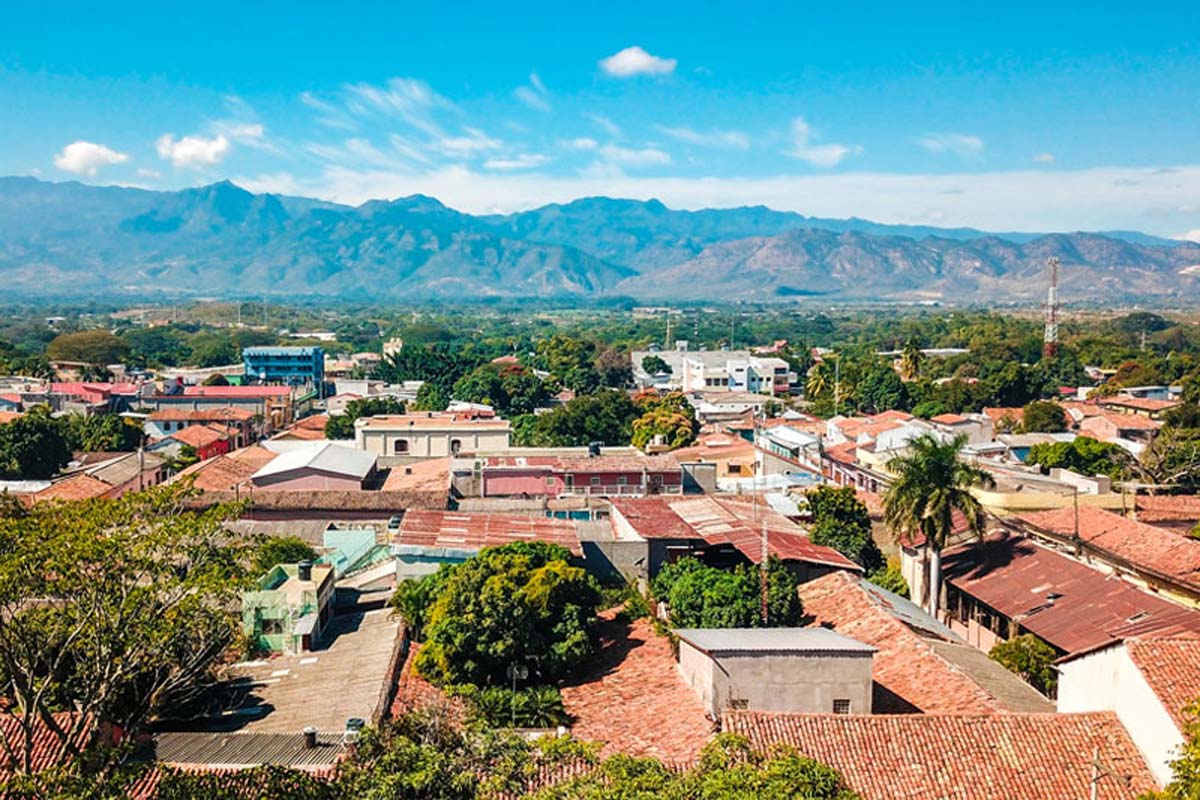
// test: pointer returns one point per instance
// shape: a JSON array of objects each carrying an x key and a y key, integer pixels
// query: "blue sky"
[{"x": 1011, "y": 116}]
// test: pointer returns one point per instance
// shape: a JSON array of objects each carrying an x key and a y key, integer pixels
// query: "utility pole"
[
  {"x": 1050, "y": 339},
  {"x": 668, "y": 345},
  {"x": 837, "y": 385}
]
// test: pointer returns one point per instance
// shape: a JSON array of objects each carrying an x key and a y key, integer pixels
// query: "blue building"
[{"x": 294, "y": 366}]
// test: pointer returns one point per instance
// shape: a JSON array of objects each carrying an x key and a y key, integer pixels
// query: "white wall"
[{"x": 1108, "y": 680}]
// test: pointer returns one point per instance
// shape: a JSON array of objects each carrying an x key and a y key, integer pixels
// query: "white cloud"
[
  {"x": 1044, "y": 158},
  {"x": 329, "y": 115},
  {"x": 192, "y": 151},
  {"x": 629, "y": 157},
  {"x": 1191, "y": 236},
  {"x": 636, "y": 61},
  {"x": 148, "y": 173},
  {"x": 605, "y": 124},
  {"x": 87, "y": 158},
  {"x": 521, "y": 161},
  {"x": 818, "y": 155},
  {"x": 411, "y": 100},
  {"x": 535, "y": 95},
  {"x": 472, "y": 142},
  {"x": 1030, "y": 200},
  {"x": 960, "y": 144},
  {"x": 735, "y": 140},
  {"x": 581, "y": 143}
]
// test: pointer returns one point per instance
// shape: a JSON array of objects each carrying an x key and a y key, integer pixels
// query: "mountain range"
[{"x": 70, "y": 239}]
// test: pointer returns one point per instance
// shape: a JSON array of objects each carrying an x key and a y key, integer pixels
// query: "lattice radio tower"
[{"x": 1050, "y": 340}]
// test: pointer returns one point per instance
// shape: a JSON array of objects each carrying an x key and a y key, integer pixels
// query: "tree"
[
  {"x": 275, "y": 550},
  {"x": 517, "y": 604},
  {"x": 341, "y": 426},
  {"x": 90, "y": 347},
  {"x": 32, "y": 446},
  {"x": 882, "y": 390},
  {"x": 101, "y": 433},
  {"x": 414, "y": 598},
  {"x": 213, "y": 350},
  {"x": 1043, "y": 416},
  {"x": 1186, "y": 415},
  {"x": 606, "y": 416},
  {"x": 932, "y": 483},
  {"x": 115, "y": 609},
  {"x": 841, "y": 521},
  {"x": 655, "y": 365},
  {"x": 614, "y": 369},
  {"x": 1172, "y": 459},
  {"x": 216, "y": 379},
  {"x": 1084, "y": 455},
  {"x": 911, "y": 361},
  {"x": 1031, "y": 659},
  {"x": 569, "y": 360},
  {"x": 163, "y": 346},
  {"x": 670, "y": 417},
  {"x": 1132, "y": 373},
  {"x": 431, "y": 397},
  {"x": 1185, "y": 769},
  {"x": 700, "y": 596},
  {"x": 890, "y": 578},
  {"x": 509, "y": 388}
]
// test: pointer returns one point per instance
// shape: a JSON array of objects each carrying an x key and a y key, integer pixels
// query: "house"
[
  {"x": 1153, "y": 558},
  {"x": 721, "y": 531},
  {"x": 308, "y": 429},
  {"x": 1010, "y": 584},
  {"x": 207, "y": 441},
  {"x": 920, "y": 665},
  {"x": 429, "y": 435},
  {"x": 807, "y": 670},
  {"x": 1176, "y": 512},
  {"x": 290, "y": 608},
  {"x": 962, "y": 756},
  {"x": 1152, "y": 408},
  {"x": 726, "y": 406},
  {"x": 272, "y": 407},
  {"x": 733, "y": 455},
  {"x": 558, "y": 472},
  {"x": 168, "y": 421},
  {"x": 977, "y": 428},
  {"x": 291, "y": 366},
  {"x": 1118, "y": 427},
  {"x": 314, "y": 466},
  {"x": 1148, "y": 682},
  {"x": 227, "y": 473},
  {"x": 715, "y": 371},
  {"x": 427, "y": 539},
  {"x": 786, "y": 448}
]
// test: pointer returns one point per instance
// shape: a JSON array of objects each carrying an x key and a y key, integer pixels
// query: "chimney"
[
  {"x": 304, "y": 570},
  {"x": 310, "y": 738}
]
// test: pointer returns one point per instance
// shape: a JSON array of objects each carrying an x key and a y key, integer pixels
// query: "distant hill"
[{"x": 69, "y": 239}]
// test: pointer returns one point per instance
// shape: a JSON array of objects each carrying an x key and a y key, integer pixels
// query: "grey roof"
[
  {"x": 1014, "y": 693},
  {"x": 908, "y": 612},
  {"x": 247, "y": 749},
  {"x": 338, "y": 459},
  {"x": 771, "y": 640}
]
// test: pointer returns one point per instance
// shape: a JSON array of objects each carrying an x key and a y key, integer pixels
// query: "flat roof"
[
  {"x": 771, "y": 640},
  {"x": 401, "y": 422}
]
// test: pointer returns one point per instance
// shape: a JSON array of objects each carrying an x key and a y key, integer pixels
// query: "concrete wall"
[
  {"x": 428, "y": 442},
  {"x": 1108, "y": 680},
  {"x": 783, "y": 682},
  {"x": 308, "y": 480}
]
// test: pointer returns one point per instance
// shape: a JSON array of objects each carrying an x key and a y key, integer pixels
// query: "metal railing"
[{"x": 619, "y": 490}]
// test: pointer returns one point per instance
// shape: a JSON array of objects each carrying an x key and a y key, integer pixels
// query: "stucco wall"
[
  {"x": 307, "y": 480},
  {"x": 426, "y": 443},
  {"x": 1108, "y": 680}
]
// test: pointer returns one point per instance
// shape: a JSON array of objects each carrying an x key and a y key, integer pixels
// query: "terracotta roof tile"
[
  {"x": 199, "y": 436},
  {"x": 80, "y": 486},
  {"x": 1139, "y": 403},
  {"x": 426, "y": 476},
  {"x": 962, "y": 757},
  {"x": 222, "y": 414},
  {"x": 47, "y": 751},
  {"x": 1168, "y": 508},
  {"x": 1171, "y": 668}
]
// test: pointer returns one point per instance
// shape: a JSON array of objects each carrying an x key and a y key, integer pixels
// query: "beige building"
[{"x": 429, "y": 435}]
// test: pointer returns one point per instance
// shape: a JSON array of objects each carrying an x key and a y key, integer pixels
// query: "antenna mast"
[{"x": 1050, "y": 341}]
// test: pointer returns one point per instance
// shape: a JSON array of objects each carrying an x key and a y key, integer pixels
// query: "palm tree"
[
  {"x": 931, "y": 484},
  {"x": 818, "y": 381},
  {"x": 911, "y": 360}
]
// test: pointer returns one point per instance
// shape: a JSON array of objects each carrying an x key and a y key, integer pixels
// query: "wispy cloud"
[
  {"x": 329, "y": 115},
  {"x": 818, "y": 155},
  {"x": 634, "y": 157},
  {"x": 535, "y": 95},
  {"x": 471, "y": 142},
  {"x": 410, "y": 100},
  {"x": 735, "y": 140},
  {"x": 521, "y": 161},
  {"x": 1044, "y": 158},
  {"x": 192, "y": 151},
  {"x": 605, "y": 124},
  {"x": 963, "y": 145},
  {"x": 580, "y": 143},
  {"x": 87, "y": 158},
  {"x": 636, "y": 61}
]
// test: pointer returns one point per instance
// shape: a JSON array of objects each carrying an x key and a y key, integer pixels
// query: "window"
[
  {"x": 739, "y": 703},
  {"x": 595, "y": 480},
  {"x": 272, "y": 626},
  {"x": 841, "y": 706},
  {"x": 622, "y": 480},
  {"x": 455, "y": 446},
  {"x": 735, "y": 469},
  {"x": 400, "y": 446},
  {"x": 550, "y": 480}
]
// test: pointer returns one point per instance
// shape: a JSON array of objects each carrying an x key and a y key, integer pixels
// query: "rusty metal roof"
[{"x": 473, "y": 531}]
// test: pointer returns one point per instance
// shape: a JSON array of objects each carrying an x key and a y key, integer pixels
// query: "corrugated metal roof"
[
  {"x": 470, "y": 532},
  {"x": 771, "y": 640},
  {"x": 248, "y": 749}
]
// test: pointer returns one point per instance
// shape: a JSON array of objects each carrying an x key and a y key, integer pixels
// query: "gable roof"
[
  {"x": 186, "y": 414},
  {"x": 961, "y": 757},
  {"x": 47, "y": 750},
  {"x": 460, "y": 530},
  {"x": 1141, "y": 545},
  {"x": 322, "y": 456},
  {"x": 224, "y": 472},
  {"x": 919, "y": 665},
  {"x": 79, "y": 486},
  {"x": 199, "y": 435},
  {"x": 1171, "y": 668}
]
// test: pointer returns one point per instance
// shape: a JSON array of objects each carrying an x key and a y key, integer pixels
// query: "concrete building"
[
  {"x": 715, "y": 371},
  {"x": 429, "y": 435},
  {"x": 805, "y": 670},
  {"x": 290, "y": 608},
  {"x": 1147, "y": 682},
  {"x": 563, "y": 471},
  {"x": 315, "y": 466},
  {"x": 291, "y": 366}
]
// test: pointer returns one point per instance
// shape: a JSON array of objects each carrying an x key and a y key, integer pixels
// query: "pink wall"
[
  {"x": 538, "y": 483},
  {"x": 307, "y": 481}
]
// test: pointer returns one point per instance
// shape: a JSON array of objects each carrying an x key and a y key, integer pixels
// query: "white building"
[
  {"x": 715, "y": 371},
  {"x": 429, "y": 435}
]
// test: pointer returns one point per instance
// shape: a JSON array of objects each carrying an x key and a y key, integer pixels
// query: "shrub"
[
  {"x": 281, "y": 550},
  {"x": 706, "y": 597},
  {"x": 1031, "y": 658},
  {"x": 501, "y": 707}
]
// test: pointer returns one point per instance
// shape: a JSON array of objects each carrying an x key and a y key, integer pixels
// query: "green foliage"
[
  {"x": 606, "y": 416},
  {"x": 614, "y": 368},
  {"x": 569, "y": 360},
  {"x": 1133, "y": 373},
  {"x": 266, "y": 781},
  {"x": 275, "y": 550},
  {"x": 890, "y": 578},
  {"x": 341, "y": 426},
  {"x": 33, "y": 446},
  {"x": 841, "y": 521},
  {"x": 1172, "y": 459},
  {"x": 501, "y": 707},
  {"x": 414, "y": 598},
  {"x": 1031, "y": 658},
  {"x": 213, "y": 350},
  {"x": 438, "y": 365},
  {"x": 931, "y": 484},
  {"x": 700, "y": 596},
  {"x": 116, "y": 609},
  {"x": 654, "y": 365},
  {"x": 882, "y": 390},
  {"x": 670, "y": 417},
  {"x": 1185, "y": 769},
  {"x": 1043, "y": 416},
  {"x": 517, "y": 604},
  {"x": 1186, "y": 415},
  {"x": 101, "y": 432},
  {"x": 216, "y": 379},
  {"x": 508, "y": 388},
  {"x": 431, "y": 397},
  {"x": 1083, "y": 454},
  {"x": 97, "y": 347}
]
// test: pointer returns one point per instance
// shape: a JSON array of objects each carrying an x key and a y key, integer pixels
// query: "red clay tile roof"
[
  {"x": 199, "y": 436},
  {"x": 48, "y": 750},
  {"x": 224, "y": 472},
  {"x": 1171, "y": 668},
  {"x": 1014, "y": 576},
  {"x": 471, "y": 531},
  {"x": 662, "y": 462},
  {"x": 80, "y": 486},
  {"x": 997, "y": 413},
  {"x": 8, "y": 416},
  {"x": 962, "y": 757},
  {"x": 633, "y": 699},
  {"x": 223, "y": 414},
  {"x": 1142, "y": 545},
  {"x": 910, "y": 674},
  {"x": 425, "y": 476},
  {"x": 1139, "y": 403},
  {"x": 1127, "y": 422},
  {"x": 949, "y": 419},
  {"x": 1168, "y": 508}
]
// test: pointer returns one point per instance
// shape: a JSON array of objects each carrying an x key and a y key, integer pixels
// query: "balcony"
[{"x": 618, "y": 490}]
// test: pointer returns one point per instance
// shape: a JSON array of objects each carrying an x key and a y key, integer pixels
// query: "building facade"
[{"x": 292, "y": 366}]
